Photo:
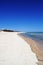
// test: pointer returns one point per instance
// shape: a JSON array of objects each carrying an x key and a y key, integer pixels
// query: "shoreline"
[
  {"x": 35, "y": 49},
  {"x": 14, "y": 50}
]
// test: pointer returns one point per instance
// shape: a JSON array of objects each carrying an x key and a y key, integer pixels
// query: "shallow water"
[{"x": 37, "y": 36}]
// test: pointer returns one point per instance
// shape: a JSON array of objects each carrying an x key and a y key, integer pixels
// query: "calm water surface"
[{"x": 37, "y": 36}]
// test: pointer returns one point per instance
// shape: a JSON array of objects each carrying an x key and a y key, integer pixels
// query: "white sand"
[{"x": 15, "y": 51}]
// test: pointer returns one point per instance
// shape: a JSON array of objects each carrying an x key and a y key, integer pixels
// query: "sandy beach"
[
  {"x": 14, "y": 50},
  {"x": 35, "y": 49}
]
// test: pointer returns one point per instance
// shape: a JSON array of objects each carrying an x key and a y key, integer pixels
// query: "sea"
[{"x": 37, "y": 36}]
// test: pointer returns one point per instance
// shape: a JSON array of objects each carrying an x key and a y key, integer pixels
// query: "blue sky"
[{"x": 21, "y": 15}]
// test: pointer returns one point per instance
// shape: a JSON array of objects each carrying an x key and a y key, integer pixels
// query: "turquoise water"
[
  {"x": 34, "y": 35},
  {"x": 37, "y": 36}
]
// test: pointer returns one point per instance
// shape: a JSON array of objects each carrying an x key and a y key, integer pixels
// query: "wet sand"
[{"x": 35, "y": 49}]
